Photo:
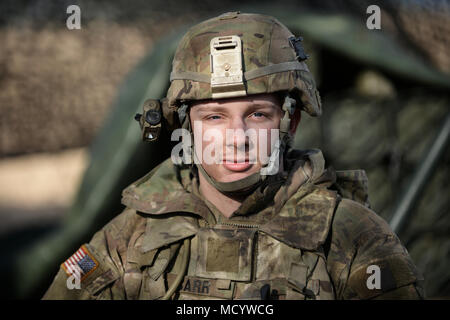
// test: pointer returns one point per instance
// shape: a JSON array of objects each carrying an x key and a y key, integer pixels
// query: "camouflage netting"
[
  {"x": 57, "y": 85},
  {"x": 427, "y": 25}
]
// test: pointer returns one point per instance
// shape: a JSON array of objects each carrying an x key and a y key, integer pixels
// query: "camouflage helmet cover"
[{"x": 269, "y": 62}]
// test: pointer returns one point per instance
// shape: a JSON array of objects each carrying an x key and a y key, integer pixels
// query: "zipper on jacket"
[{"x": 239, "y": 225}]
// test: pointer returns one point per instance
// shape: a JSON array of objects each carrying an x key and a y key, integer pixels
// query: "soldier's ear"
[{"x": 295, "y": 120}]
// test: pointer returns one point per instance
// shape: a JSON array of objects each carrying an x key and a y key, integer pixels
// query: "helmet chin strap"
[
  {"x": 240, "y": 186},
  {"x": 250, "y": 183}
]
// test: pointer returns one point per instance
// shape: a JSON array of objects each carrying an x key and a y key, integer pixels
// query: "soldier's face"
[{"x": 232, "y": 132}]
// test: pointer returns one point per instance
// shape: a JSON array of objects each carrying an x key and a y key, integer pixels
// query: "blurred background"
[{"x": 69, "y": 143}]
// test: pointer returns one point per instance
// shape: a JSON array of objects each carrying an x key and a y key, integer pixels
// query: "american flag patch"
[{"x": 81, "y": 262}]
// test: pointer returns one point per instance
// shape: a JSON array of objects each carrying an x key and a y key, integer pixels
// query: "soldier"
[{"x": 279, "y": 227}]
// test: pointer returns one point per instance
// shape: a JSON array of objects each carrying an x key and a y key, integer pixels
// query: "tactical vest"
[{"x": 235, "y": 262}]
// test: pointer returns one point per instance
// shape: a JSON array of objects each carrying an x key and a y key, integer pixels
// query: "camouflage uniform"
[
  {"x": 295, "y": 236},
  {"x": 298, "y": 235}
]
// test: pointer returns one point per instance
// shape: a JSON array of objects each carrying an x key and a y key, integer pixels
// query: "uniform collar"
[{"x": 162, "y": 191}]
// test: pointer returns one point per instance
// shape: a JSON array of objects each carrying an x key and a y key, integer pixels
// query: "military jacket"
[{"x": 298, "y": 236}]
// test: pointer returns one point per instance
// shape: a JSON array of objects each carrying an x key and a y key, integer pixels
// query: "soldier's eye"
[
  {"x": 258, "y": 114},
  {"x": 214, "y": 117}
]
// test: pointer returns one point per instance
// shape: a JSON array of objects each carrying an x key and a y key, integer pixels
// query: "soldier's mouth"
[{"x": 237, "y": 166}]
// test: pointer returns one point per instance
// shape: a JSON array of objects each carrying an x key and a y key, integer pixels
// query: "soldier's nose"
[
  {"x": 236, "y": 139},
  {"x": 238, "y": 127}
]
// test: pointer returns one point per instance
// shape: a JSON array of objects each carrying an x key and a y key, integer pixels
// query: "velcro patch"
[
  {"x": 225, "y": 253},
  {"x": 81, "y": 263}
]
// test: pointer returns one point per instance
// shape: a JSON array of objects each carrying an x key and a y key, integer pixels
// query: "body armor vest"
[{"x": 238, "y": 262}]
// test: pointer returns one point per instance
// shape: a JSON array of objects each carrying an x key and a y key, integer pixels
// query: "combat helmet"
[{"x": 234, "y": 55}]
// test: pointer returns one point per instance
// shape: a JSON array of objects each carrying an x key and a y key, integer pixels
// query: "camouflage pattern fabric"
[{"x": 306, "y": 242}]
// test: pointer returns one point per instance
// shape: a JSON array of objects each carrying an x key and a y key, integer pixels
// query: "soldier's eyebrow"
[
  {"x": 263, "y": 106},
  {"x": 203, "y": 109}
]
